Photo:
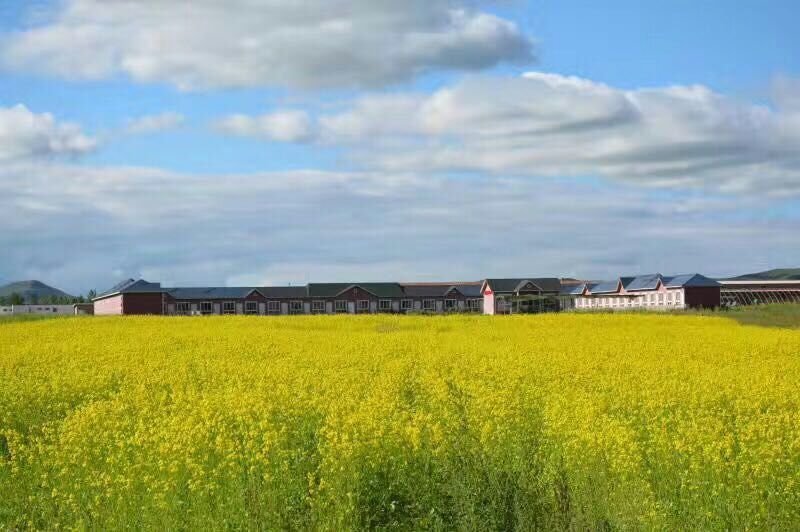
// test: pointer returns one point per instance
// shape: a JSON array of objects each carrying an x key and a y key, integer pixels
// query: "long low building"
[
  {"x": 45, "y": 310},
  {"x": 653, "y": 291},
  {"x": 490, "y": 296}
]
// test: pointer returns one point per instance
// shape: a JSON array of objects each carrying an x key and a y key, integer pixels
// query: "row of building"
[
  {"x": 77, "y": 309},
  {"x": 490, "y": 296}
]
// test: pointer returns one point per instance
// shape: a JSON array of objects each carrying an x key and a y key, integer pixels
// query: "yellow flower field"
[{"x": 553, "y": 421}]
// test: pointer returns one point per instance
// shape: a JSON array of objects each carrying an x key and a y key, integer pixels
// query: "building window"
[
  {"x": 182, "y": 308},
  {"x": 678, "y": 298},
  {"x": 318, "y": 307},
  {"x": 406, "y": 305},
  {"x": 450, "y": 305},
  {"x": 340, "y": 305},
  {"x": 428, "y": 304},
  {"x": 206, "y": 308},
  {"x": 229, "y": 307},
  {"x": 660, "y": 299},
  {"x": 296, "y": 307},
  {"x": 274, "y": 307},
  {"x": 474, "y": 304},
  {"x": 385, "y": 305},
  {"x": 363, "y": 305},
  {"x": 251, "y": 307}
]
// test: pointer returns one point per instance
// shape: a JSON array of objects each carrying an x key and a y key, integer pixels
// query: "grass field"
[{"x": 555, "y": 421}]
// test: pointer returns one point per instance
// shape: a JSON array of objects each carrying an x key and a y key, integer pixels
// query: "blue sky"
[{"x": 193, "y": 134}]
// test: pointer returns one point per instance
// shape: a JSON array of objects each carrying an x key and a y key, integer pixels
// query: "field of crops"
[{"x": 554, "y": 421}]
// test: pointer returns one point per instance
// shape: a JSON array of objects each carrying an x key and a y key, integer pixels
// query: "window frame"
[
  {"x": 362, "y": 305},
  {"x": 450, "y": 305},
  {"x": 180, "y": 312},
  {"x": 340, "y": 306},
  {"x": 276, "y": 304},
  {"x": 384, "y": 305},
  {"x": 406, "y": 304},
  {"x": 226, "y": 311},
  {"x": 317, "y": 306},
  {"x": 248, "y": 311},
  {"x": 203, "y": 311},
  {"x": 432, "y": 307},
  {"x": 296, "y": 306}
]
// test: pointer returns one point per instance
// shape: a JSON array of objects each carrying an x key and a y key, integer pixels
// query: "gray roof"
[
  {"x": 467, "y": 289},
  {"x": 425, "y": 290},
  {"x": 650, "y": 282},
  {"x": 644, "y": 282},
  {"x": 546, "y": 284},
  {"x": 441, "y": 289},
  {"x": 605, "y": 287},
  {"x": 376, "y": 289},
  {"x": 131, "y": 286},
  {"x": 284, "y": 292},
  {"x": 573, "y": 289},
  {"x": 690, "y": 279},
  {"x": 199, "y": 293}
]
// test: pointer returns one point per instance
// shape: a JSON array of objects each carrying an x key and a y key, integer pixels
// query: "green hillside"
[
  {"x": 780, "y": 274},
  {"x": 31, "y": 290}
]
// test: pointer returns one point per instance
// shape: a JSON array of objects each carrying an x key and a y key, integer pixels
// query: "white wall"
[{"x": 49, "y": 310}]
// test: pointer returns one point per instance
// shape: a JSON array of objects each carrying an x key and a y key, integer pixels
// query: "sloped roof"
[
  {"x": 689, "y": 279},
  {"x": 644, "y": 282},
  {"x": 426, "y": 290},
  {"x": 131, "y": 286},
  {"x": 284, "y": 292},
  {"x": 467, "y": 289},
  {"x": 334, "y": 289},
  {"x": 211, "y": 292},
  {"x": 605, "y": 287},
  {"x": 573, "y": 289},
  {"x": 546, "y": 284}
]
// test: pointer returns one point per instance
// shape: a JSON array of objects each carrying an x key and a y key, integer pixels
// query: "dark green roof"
[
  {"x": 546, "y": 284},
  {"x": 334, "y": 289}
]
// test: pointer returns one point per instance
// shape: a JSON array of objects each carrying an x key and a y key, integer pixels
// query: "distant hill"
[
  {"x": 781, "y": 274},
  {"x": 29, "y": 289}
]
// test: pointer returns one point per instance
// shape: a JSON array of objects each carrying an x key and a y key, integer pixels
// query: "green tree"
[
  {"x": 16, "y": 299},
  {"x": 91, "y": 295}
]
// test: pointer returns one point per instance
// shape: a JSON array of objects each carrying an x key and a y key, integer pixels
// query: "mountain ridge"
[{"x": 32, "y": 289}]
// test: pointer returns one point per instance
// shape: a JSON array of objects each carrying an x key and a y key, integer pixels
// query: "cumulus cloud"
[
  {"x": 283, "y": 126},
  {"x": 245, "y": 43},
  {"x": 335, "y": 226},
  {"x": 26, "y": 135},
  {"x": 154, "y": 123},
  {"x": 552, "y": 125}
]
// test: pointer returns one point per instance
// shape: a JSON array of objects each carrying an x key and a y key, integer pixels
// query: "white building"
[{"x": 50, "y": 310}]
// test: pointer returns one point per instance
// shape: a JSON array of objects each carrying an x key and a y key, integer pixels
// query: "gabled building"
[
  {"x": 443, "y": 297},
  {"x": 521, "y": 295},
  {"x": 355, "y": 298},
  {"x": 130, "y": 297},
  {"x": 651, "y": 291}
]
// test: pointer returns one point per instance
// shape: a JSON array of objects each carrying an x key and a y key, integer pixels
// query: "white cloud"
[
  {"x": 154, "y": 123},
  {"x": 246, "y": 43},
  {"x": 26, "y": 135},
  {"x": 333, "y": 226},
  {"x": 551, "y": 125},
  {"x": 283, "y": 126}
]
